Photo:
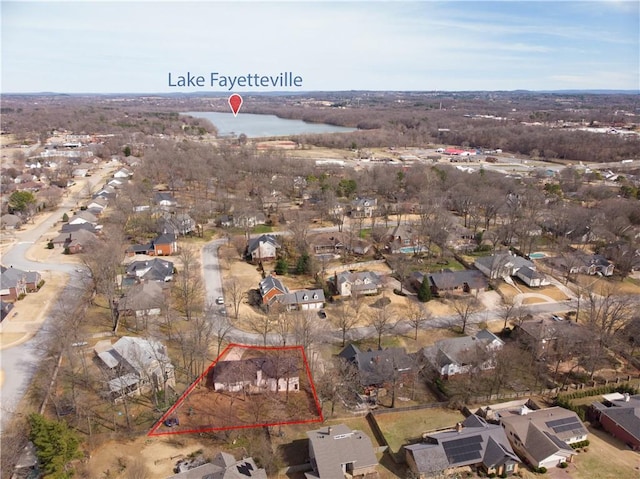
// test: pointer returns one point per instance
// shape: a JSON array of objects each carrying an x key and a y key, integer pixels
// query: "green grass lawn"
[{"x": 403, "y": 427}]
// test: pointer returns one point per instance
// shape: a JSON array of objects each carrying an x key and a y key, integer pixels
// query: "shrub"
[
  {"x": 398, "y": 292},
  {"x": 493, "y": 474},
  {"x": 563, "y": 465},
  {"x": 542, "y": 470},
  {"x": 50, "y": 245}
]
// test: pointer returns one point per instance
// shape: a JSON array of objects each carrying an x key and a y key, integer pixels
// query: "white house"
[
  {"x": 361, "y": 283},
  {"x": 263, "y": 248}
]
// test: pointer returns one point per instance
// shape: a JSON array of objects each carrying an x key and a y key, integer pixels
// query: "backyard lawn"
[{"x": 400, "y": 428}]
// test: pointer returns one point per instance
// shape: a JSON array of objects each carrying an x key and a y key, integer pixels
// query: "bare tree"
[
  {"x": 509, "y": 310},
  {"x": 383, "y": 320},
  {"x": 417, "y": 315},
  {"x": 345, "y": 317},
  {"x": 235, "y": 293},
  {"x": 188, "y": 288},
  {"x": 464, "y": 307}
]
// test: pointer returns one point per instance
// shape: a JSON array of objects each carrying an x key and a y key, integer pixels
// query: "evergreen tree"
[
  {"x": 424, "y": 292},
  {"x": 282, "y": 267},
  {"x": 56, "y": 445},
  {"x": 304, "y": 264}
]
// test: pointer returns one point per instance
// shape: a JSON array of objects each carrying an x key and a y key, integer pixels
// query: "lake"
[{"x": 256, "y": 126}]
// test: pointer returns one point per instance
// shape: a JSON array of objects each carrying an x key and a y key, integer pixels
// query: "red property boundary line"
[{"x": 154, "y": 432}]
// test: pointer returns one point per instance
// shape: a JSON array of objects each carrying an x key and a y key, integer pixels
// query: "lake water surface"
[{"x": 256, "y": 126}]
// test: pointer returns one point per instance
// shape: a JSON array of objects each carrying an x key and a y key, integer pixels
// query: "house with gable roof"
[
  {"x": 255, "y": 375},
  {"x": 619, "y": 415},
  {"x": 135, "y": 366},
  {"x": 543, "y": 438},
  {"x": 15, "y": 282},
  {"x": 502, "y": 264},
  {"x": 224, "y": 466},
  {"x": 262, "y": 248},
  {"x": 375, "y": 366},
  {"x": 357, "y": 283},
  {"x": 338, "y": 451},
  {"x": 474, "y": 442},
  {"x": 144, "y": 299},
  {"x": 155, "y": 269},
  {"x": 463, "y": 355}
]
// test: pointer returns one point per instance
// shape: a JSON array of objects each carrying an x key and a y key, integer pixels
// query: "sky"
[{"x": 133, "y": 47}]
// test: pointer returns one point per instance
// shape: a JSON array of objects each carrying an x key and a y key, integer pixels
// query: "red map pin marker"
[{"x": 235, "y": 102}]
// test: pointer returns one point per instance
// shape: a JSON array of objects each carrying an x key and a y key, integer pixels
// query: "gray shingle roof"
[{"x": 340, "y": 446}]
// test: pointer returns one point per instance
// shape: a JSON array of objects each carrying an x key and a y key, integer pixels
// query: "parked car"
[
  {"x": 555, "y": 317},
  {"x": 172, "y": 421},
  {"x": 219, "y": 300}
]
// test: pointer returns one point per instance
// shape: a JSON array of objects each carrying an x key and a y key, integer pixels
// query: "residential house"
[
  {"x": 67, "y": 228},
  {"x": 404, "y": 238},
  {"x": 116, "y": 183},
  {"x": 155, "y": 269},
  {"x": 10, "y": 222},
  {"x": 106, "y": 191},
  {"x": 532, "y": 278},
  {"x": 75, "y": 242},
  {"x": 452, "y": 282},
  {"x": 338, "y": 451},
  {"x": 502, "y": 264},
  {"x": 176, "y": 224},
  {"x": 224, "y": 466},
  {"x": 302, "y": 299},
  {"x": 162, "y": 245},
  {"x": 463, "y": 355},
  {"x": 99, "y": 203},
  {"x": 135, "y": 366},
  {"x": 274, "y": 374},
  {"x": 83, "y": 217},
  {"x": 162, "y": 198},
  {"x": 364, "y": 207},
  {"x": 357, "y": 283},
  {"x": 248, "y": 220},
  {"x": 263, "y": 248},
  {"x": 378, "y": 367},
  {"x": 16, "y": 282},
  {"x": 473, "y": 443},
  {"x": 123, "y": 173},
  {"x": 543, "y": 438},
  {"x": 544, "y": 336},
  {"x": 272, "y": 292},
  {"x": 270, "y": 288},
  {"x": 144, "y": 299},
  {"x": 327, "y": 243},
  {"x": 619, "y": 415},
  {"x": 593, "y": 264}
]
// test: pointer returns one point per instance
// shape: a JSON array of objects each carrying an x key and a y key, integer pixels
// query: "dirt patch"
[
  {"x": 159, "y": 456},
  {"x": 206, "y": 409}
]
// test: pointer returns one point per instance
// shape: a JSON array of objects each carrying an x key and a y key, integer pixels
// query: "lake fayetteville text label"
[{"x": 251, "y": 80}]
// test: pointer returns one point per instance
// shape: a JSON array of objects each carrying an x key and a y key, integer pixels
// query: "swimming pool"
[
  {"x": 537, "y": 255},
  {"x": 413, "y": 249}
]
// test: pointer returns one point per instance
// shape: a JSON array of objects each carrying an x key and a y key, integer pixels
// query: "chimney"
[{"x": 459, "y": 427}]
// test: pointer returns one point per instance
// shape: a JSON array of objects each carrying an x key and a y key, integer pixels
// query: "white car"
[{"x": 219, "y": 300}]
